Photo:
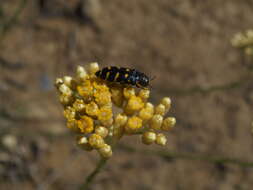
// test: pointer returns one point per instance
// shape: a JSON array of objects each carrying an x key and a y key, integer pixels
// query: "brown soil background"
[{"x": 184, "y": 43}]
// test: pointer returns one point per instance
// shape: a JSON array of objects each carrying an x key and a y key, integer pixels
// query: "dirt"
[{"x": 184, "y": 44}]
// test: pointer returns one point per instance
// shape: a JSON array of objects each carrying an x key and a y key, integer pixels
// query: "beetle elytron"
[{"x": 124, "y": 76}]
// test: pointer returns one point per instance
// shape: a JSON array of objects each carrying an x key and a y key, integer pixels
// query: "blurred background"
[{"x": 184, "y": 43}]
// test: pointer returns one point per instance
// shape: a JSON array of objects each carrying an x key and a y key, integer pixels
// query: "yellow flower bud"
[
  {"x": 236, "y": 40},
  {"x": 108, "y": 105},
  {"x": 244, "y": 39},
  {"x": 65, "y": 90},
  {"x": 161, "y": 139},
  {"x": 85, "y": 124},
  {"x": 128, "y": 92},
  {"x": 105, "y": 151},
  {"x": 160, "y": 109},
  {"x": 102, "y": 131},
  {"x": 92, "y": 109},
  {"x": 156, "y": 122},
  {"x": 134, "y": 104},
  {"x": 120, "y": 120},
  {"x": 72, "y": 124},
  {"x": 96, "y": 141},
  {"x": 58, "y": 82},
  {"x": 82, "y": 142},
  {"x": 248, "y": 51},
  {"x": 147, "y": 112},
  {"x": 81, "y": 73},
  {"x": 93, "y": 68},
  {"x": 99, "y": 85},
  {"x": 168, "y": 123},
  {"x": 85, "y": 90},
  {"x": 65, "y": 100},
  {"x": 249, "y": 34},
  {"x": 148, "y": 137},
  {"x": 144, "y": 94},
  {"x": 105, "y": 114},
  {"x": 102, "y": 97},
  {"x": 69, "y": 113},
  {"x": 149, "y": 106},
  {"x": 133, "y": 124},
  {"x": 166, "y": 101},
  {"x": 78, "y": 105},
  {"x": 67, "y": 80}
]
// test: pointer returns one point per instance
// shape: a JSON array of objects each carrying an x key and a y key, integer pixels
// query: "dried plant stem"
[
  {"x": 89, "y": 179},
  {"x": 169, "y": 155}
]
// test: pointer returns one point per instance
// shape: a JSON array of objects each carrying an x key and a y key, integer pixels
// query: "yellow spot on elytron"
[
  {"x": 126, "y": 75},
  {"x": 116, "y": 77},
  {"x": 127, "y": 70},
  {"x": 107, "y": 75},
  {"x": 109, "y": 68}
]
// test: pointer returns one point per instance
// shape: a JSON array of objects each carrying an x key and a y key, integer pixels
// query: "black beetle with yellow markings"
[{"x": 124, "y": 76}]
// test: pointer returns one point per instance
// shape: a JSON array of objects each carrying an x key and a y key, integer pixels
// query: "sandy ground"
[{"x": 184, "y": 43}]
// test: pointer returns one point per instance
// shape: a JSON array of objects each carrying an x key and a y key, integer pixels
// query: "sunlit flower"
[
  {"x": 133, "y": 124},
  {"x": 102, "y": 131},
  {"x": 147, "y": 112},
  {"x": 96, "y": 141},
  {"x": 101, "y": 113},
  {"x": 69, "y": 113},
  {"x": 85, "y": 90},
  {"x": 149, "y": 137},
  {"x": 92, "y": 109},
  {"x": 78, "y": 105},
  {"x": 72, "y": 124},
  {"x": 105, "y": 151},
  {"x": 161, "y": 139},
  {"x": 244, "y": 40},
  {"x": 85, "y": 124},
  {"x": 105, "y": 114},
  {"x": 83, "y": 143},
  {"x": 168, "y": 123},
  {"x": 156, "y": 122},
  {"x": 134, "y": 104}
]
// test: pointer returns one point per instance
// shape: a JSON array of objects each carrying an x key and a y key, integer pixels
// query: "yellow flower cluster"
[
  {"x": 244, "y": 40},
  {"x": 101, "y": 112}
]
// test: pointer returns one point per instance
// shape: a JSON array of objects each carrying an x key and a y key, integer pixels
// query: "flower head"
[
  {"x": 244, "y": 40},
  {"x": 89, "y": 108}
]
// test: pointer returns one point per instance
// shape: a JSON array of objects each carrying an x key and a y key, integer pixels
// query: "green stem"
[
  {"x": 89, "y": 179},
  {"x": 167, "y": 155}
]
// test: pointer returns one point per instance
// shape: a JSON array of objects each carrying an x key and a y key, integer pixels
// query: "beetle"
[{"x": 124, "y": 76}]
